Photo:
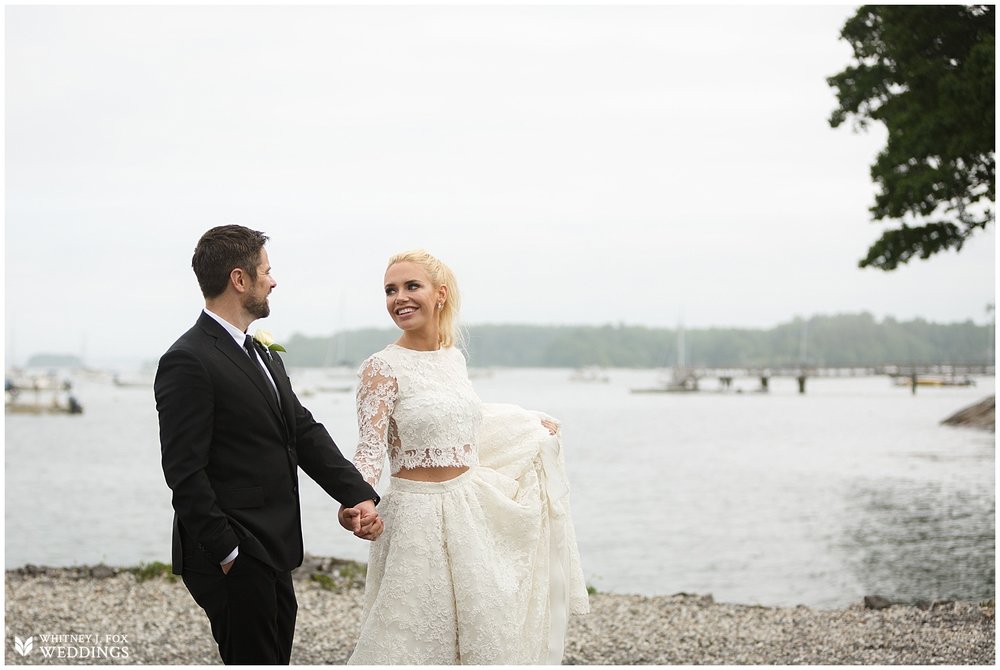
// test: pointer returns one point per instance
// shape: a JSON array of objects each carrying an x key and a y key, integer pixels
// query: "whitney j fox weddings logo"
[
  {"x": 90, "y": 646},
  {"x": 23, "y": 647}
]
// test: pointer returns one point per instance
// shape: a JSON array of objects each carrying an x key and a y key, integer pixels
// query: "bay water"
[{"x": 852, "y": 489}]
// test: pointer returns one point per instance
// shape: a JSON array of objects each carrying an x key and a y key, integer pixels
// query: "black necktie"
[{"x": 250, "y": 349}]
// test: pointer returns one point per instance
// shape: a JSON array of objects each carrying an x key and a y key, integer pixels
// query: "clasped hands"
[{"x": 362, "y": 520}]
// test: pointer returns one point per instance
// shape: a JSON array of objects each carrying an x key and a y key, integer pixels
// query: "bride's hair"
[{"x": 449, "y": 333}]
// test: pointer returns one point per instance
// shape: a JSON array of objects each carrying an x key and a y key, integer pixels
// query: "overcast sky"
[{"x": 574, "y": 165}]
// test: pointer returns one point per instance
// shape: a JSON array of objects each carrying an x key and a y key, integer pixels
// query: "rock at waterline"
[
  {"x": 981, "y": 415},
  {"x": 877, "y": 602}
]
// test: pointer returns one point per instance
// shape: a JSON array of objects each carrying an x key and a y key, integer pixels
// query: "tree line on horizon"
[{"x": 840, "y": 340}]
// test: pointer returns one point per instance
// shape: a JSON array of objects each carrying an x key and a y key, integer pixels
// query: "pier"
[
  {"x": 17, "y": 390},
  {"x": 686, "y": 379}
]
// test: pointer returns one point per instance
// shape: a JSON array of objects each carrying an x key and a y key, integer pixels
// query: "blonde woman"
[{"x": 478, "y": 562}]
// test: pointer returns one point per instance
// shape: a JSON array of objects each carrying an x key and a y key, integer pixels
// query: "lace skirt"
[{"x": 480, "y": 569}]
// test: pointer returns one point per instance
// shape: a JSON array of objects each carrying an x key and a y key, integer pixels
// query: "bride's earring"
[{"x": 440, "y": 305}]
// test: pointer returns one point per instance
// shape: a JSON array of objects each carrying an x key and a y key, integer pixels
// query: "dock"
[
  {"x": 40, "y": 394},
  {"x": 687, "y": 379}
]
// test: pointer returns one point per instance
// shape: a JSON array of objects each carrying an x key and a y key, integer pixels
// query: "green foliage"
[
  {"x": 927, "y": 72},
  {"x": 54, "y": 361},
  {"x": 353, "y": 570},
  {"x": 146, "y": 571},
  {"x": 345, "y": 575},
  {"x": 325, "y": 581},
  {"x": 845, "y": 339}
]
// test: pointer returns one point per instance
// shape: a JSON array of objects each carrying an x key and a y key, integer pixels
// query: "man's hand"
[
  {"x": 362, "y": 520},
  {"x": 551, "y": 425}
]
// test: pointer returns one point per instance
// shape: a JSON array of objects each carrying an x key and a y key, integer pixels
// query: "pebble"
[{"x": 158, "y": 623}]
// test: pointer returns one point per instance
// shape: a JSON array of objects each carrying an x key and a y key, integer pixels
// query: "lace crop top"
[{"x": 417, "y": 406}]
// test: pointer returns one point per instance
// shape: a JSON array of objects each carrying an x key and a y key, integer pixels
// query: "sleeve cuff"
[{"x": 232, "y": 556}]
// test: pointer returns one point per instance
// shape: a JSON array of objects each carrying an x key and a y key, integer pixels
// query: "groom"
[{"x": 232, "y": 435}]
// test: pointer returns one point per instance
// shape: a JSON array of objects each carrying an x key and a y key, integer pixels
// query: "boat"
[
  {"x": 932, "y": 380},
  {"x": 24, "y": 396},
  {"x": 132, "y": 382},
  {"x": 681, "y": 380},
  {"x": 590, "y": 375}
]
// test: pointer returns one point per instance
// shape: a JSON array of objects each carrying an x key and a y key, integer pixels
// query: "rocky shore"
[
  {"x": 145, "y": 616},
  {"x": 982, "y": 415}
]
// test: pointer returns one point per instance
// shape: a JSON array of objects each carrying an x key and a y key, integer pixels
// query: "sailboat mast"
[{"x": 680, "y": 345}]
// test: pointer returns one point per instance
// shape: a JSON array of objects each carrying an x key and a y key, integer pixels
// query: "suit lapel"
[
  {"x": 235, "y": 353},
  {"x": 277, "y": 370},
  {"x": 250, "y": 368}
]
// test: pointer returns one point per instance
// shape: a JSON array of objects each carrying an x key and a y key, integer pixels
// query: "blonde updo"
[{"x": 449, "y": 333}]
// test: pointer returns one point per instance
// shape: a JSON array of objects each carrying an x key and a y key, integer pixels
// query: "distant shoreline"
[
  {"x": 151, "y": 610},
  {"x": 818, "y": 341}
]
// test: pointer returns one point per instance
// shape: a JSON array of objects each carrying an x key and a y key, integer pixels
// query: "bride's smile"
[{"x": 413, "y": 302}]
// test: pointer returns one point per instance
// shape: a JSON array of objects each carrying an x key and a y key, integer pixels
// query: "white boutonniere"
[{"x": 266, "y": 340}]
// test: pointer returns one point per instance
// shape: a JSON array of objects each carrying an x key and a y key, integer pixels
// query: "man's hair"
[{"x": 220, "y": 251}]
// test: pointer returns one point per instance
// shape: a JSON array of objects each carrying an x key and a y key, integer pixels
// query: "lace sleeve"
[{"x": 376, "y": 397}]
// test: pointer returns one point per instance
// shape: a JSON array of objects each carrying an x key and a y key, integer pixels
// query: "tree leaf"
[{"x": 927, "y": 73}]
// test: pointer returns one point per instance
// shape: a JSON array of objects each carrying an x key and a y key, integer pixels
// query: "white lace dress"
[{"x": 479, "y": 569}]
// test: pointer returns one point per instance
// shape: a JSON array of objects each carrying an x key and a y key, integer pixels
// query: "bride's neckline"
[{"x": 418, "y": 351}]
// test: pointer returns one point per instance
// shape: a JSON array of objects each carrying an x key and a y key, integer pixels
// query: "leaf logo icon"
[{"x": 23, "y": 647}]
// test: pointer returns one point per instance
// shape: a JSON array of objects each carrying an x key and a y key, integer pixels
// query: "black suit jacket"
[{"x": 230, "y": 454}]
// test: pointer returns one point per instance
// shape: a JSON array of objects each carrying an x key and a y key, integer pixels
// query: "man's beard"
[{"x": 257, "y": 307}]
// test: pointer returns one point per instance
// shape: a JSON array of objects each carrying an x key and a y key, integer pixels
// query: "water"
[{"x": 779, "y": 499}]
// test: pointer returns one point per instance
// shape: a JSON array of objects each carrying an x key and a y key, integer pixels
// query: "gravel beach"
[{"x": 143, "y": 617}]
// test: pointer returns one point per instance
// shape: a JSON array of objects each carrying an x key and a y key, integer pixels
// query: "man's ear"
[{"x": 238, "y": 278}]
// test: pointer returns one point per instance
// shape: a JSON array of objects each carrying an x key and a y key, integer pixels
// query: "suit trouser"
[{"x": 251, "y": 609}]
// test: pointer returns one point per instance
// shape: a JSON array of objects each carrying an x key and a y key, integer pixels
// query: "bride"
[{"x": 478, "y": 563}]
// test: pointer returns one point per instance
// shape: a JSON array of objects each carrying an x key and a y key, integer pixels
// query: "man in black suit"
[{"x": 232, "y": 435}]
